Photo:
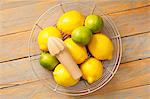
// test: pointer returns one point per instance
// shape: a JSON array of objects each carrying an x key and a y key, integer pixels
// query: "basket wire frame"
[{"x": 110, "y": 72}]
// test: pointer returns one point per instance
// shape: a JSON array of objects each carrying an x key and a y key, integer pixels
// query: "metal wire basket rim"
[{"x": 86, "y": 91}]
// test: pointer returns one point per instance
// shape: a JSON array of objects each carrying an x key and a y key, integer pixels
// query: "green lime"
[
  {"x": 48, "y": 61},
  {"x": 94, "y": 22},
  {"x": 81, "y": 35}
]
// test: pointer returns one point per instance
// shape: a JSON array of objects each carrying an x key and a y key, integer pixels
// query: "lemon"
[
  {"x": 62, "y": 76},
  {"x": 69, "y": 21},
  {"x": 78, "y": 52},
  {"x": 101, "y": 47},
  {"x": 45, "y": 34},
  {"x": 92, "y": 70}
]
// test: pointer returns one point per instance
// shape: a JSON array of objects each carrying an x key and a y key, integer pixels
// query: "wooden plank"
[
  {"x": 18, "y": 46},
  {"x": 21, "y": 18},
  {"x": 131, "y": 93},
  {"x": 8, "y": 4},
  {"x": 37, "y": 91},
  {"x": 129, "y": 74},
  {"x": 132, "y": 74},
  {"x": 113, "y": 6},
  {"x": 33, "y": 90},
  {"x": 134, "y": 47},
  {"x": 16, "y": 72},
  {"x": 20, "y": 40},
  {"x": 15, "y": 18},
  {"x": 133, "y": 21}
]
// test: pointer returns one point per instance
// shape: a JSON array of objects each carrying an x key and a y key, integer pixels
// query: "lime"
[
  {"x": 45, "y": 34},
  {"x": 69, "y": 21},
  {"x": 62, "y": 76},
  {"x": 48, "y": 61},
  {"x": 81, "y": 35},
  {"x": 94, "y": 22}
]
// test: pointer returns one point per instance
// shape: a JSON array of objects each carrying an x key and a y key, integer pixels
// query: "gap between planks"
[
  {"x": 106, "y": 6},
  {"x": 36, "y": 90},
  {"x": 126, "y": 46},
  {"x": 126, "y": 28},
  {"x": 135, "y": 40},
  {"x": 112, "y": 83},
  {"x": 112, "y": 15},
  {"x": 128, "y": 9},
  {"x": 18, "y": 83}
]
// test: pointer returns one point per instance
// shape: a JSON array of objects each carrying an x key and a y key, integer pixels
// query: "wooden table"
[{"x": 132, "y": 80}]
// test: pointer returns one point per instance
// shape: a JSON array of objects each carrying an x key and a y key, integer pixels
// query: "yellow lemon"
[
  {"x": 92, "y": 70},
  {"x": 45, "y": 34},
  {"x": 70, "y": 20},
  {"x": 78, "y": 52},
  {"x": 101, "y": 47},
  {"x": 62, "y": 76}
]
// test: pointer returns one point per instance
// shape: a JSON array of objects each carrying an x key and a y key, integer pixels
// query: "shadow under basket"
[{"x": 50, "y": 18}]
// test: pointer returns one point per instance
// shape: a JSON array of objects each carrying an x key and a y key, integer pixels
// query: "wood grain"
[
  {"x": 132, "y": 74},
  {"x": 20, "y": 40},
  {"x": 37, "y": 91},
  {"x": 123, "y": 4},
  {"x": 17, "y": 79},
  {"x": 16, "y": 72},
  {"x": 113, "y": 6},
  {"x": 129, "y": 75},
  {"x": 21, "y": 18},
  {"x": 8, "y": 4},
  {"x": 17, "y": 16},
  {"x": 134, "y": 47},
  {"x": 18, "y": 46},
  {"x": 131, "y": 93},
  {"x": 132, "y": 21},
  {"x": 33, "y": 90}
]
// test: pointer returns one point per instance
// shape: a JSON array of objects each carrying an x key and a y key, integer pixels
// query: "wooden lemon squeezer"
[{"x": 57, "y": 48}]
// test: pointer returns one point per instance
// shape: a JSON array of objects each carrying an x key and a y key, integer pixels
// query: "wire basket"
[{"x": 50, "y": 18}]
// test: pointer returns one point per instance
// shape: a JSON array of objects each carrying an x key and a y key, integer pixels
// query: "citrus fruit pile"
[{"x": 86, "y": 44}]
